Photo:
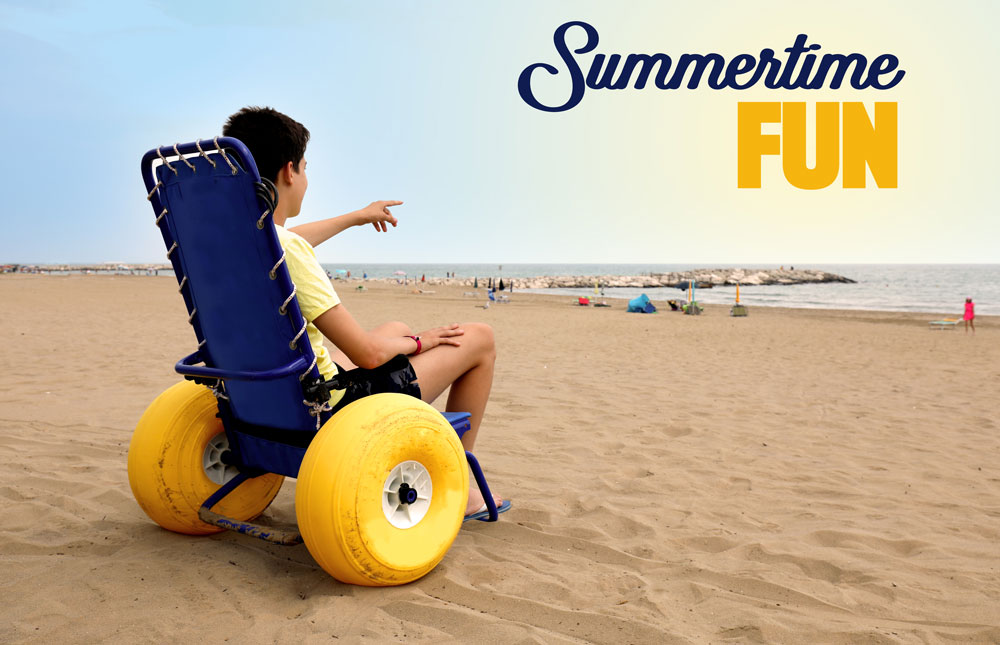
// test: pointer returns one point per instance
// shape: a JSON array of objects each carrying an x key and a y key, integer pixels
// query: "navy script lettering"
[{"x": 800, "y": 69}]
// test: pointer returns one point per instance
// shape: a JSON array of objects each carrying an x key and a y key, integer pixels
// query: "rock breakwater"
[{"x": 703, "y": 278}]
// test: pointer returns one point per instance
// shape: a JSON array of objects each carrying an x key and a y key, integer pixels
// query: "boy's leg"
[{"x": 468, "y": 369}]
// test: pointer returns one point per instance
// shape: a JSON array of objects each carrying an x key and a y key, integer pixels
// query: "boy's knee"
[{"x": 483, "y": 335}]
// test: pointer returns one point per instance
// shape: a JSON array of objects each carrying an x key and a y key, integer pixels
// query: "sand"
[{"x": 797, "y": 476}]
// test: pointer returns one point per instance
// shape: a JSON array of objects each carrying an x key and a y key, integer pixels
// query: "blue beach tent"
[{"x": 641, "y": 305}]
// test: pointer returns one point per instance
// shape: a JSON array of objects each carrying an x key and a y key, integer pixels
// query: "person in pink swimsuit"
[{"x": 970, "y": 315}]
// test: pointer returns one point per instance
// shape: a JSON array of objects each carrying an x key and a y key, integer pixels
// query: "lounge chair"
[
  {"x": 947, "y": 323},
  {"x": 382, "y": 485}
]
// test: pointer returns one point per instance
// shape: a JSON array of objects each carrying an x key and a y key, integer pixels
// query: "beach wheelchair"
[{"x": 382, "y": 484}]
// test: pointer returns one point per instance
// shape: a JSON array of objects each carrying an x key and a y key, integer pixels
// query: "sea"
[{"x": 929, "y": 288}]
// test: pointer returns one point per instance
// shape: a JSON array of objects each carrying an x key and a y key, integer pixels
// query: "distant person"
[{"x": 970, "y": 316}]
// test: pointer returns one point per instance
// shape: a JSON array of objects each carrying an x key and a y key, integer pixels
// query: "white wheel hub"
[
  {"x": 215, "y": 469},
  {"x": 406, "y": 494}
]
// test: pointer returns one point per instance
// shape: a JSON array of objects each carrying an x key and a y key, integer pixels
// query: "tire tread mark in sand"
[
  {"x": 585, "y": 626},
  {"x": 526, "y": 537}
]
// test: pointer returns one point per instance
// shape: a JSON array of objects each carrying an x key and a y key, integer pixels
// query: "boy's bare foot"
[{"x": 476, "y": 501}]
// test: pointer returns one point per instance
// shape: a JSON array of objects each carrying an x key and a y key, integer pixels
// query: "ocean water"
[{"x": 931, "y": 288}]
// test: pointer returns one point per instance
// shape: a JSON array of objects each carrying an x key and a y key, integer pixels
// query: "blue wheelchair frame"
[{"x": 214, "y": 214}]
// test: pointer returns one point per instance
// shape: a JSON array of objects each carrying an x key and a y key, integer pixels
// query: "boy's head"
[{"x": 273, "y": 138}]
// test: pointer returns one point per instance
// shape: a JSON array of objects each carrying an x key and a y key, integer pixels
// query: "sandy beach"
[{"x": 796, "y": 476}]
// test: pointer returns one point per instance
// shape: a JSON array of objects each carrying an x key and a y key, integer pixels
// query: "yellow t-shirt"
[{"x": 314, "y": 293}]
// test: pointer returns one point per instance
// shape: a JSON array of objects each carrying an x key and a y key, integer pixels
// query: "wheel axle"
[{"x": 406, "y": 494}]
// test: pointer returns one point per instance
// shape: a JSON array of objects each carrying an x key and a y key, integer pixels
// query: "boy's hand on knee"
[
  {"x": 446, "y": 335},
  {"x": 377, "y": 214}
]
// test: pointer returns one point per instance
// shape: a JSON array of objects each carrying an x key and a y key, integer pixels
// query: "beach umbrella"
[
  {"x": 501, "y": 284},
  {"x": 596, "y": 292},
  {"x": 341, "y": 271},
  {"x": 399, "y": 273},
  {"x": 738, "y": 310},
  {"x": 475, "y": 282}
]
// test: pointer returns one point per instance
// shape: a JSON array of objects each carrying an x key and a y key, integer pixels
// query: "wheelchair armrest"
[{"x": 188, "y": 367}]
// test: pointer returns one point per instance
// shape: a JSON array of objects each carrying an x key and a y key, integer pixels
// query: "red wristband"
[{"x": 416, "y": 338}]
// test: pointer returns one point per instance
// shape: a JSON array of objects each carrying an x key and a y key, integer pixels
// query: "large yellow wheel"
[
  {"x": 382, "y": 491},
  {"x": 174, "y": 463}
]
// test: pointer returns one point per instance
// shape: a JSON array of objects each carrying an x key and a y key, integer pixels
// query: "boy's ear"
[{"x": 285, "y": 174}]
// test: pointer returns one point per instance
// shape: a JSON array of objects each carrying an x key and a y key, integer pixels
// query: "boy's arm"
[
  {"x": 376, "y": 213},
  {"x": 368, "y": 350}
]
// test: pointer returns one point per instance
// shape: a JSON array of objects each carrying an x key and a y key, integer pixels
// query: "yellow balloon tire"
[
  {"x": 166, "y": 469},
  {"x": 339, "y": 492}
]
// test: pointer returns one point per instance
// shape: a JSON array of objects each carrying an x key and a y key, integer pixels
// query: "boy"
[{"x": 421, "y": 365}]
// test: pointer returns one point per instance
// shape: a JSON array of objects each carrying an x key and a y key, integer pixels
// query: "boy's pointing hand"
[{"x": 378, "y": 213}]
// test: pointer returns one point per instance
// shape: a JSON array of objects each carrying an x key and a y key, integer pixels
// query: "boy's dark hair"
[{"x": 273, "y": 138}]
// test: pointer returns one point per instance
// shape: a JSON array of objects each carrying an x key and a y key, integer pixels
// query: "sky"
[{"x": 418, "y": 101}]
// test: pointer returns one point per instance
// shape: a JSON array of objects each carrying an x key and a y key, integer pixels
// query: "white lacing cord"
[
  {"x": 202, "y": 152},
  {"x": 295, "y": 340},
  {"x": 149, "y": 197},
  {"x": 165, "y": 162},
  {"x": 161, "y": 216},
  {"x": 189, "y": 164},
  {"x": 180, "y": 288},
  {"x": 316, "y": 409},
  {"x": 304, "y": 374},
  {"x": 283, "y": 309},
  {"x": 219, "y": 390},
  {"x": 171, "y": 250},
  {"x": 273, "y": 272},
  {"x": 224, "y": 155},
  {"x": 191, "y": 317},
  {"x": 260, "y": 222}
]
